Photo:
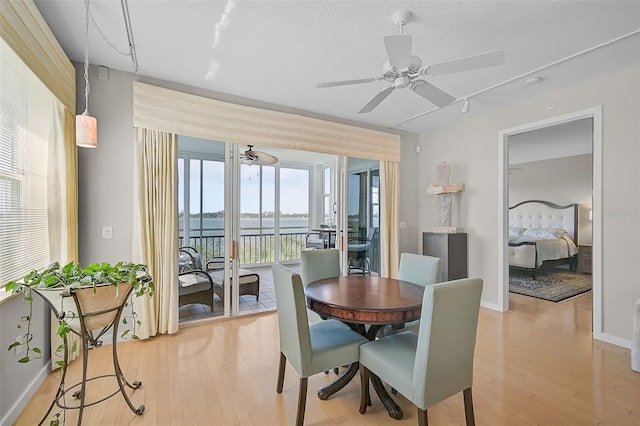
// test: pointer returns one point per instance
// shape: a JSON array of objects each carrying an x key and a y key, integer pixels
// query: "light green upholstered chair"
[
  {"x": 313, "y": 348},
  {"x": 420, "y": 269},
  {"x": 417, "y": 269},
  {"x": 437, "y": 363},
  {"x": 318, "y": 265}
]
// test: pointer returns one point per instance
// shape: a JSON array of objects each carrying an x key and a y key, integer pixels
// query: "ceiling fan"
[
  {"x": 404, "y": 70},
  {"x": 252, "y": 157}
]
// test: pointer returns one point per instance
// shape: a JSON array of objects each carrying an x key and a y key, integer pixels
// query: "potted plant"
[{"x": 54, "y": 284}]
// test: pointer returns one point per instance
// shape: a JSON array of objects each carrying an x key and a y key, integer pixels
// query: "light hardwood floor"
[{"x": 536, "y": 365}]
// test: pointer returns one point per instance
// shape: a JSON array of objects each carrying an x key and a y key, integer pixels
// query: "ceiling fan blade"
[
  {"x": 482, "y": 60},
  {"x": 346, "y": 82},
  {"x": 432, "y": 93},
  {"x": 264, "y": 159},
  {"x": 252, "y": 157},
  {"x": 398, "y": 50},
  {"x": 376, "y": 100}
]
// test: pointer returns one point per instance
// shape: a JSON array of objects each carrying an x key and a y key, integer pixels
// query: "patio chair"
[
  {"x": 194, "y": 284},
  {"x": 359, "y": 250},
  {"x": 317, "y": 240},
  {"x": 249, "y": 280}
]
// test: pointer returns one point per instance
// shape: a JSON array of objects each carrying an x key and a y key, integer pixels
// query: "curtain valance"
[
  {"x": 27, "y": 33},
  {"x": 197, "y": 116}
]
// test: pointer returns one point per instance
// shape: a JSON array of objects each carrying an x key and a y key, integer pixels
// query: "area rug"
[{"x": 554, "y": 285}]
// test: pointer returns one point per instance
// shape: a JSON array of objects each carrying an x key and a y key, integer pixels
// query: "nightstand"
[{"x": 584, "y": 258}]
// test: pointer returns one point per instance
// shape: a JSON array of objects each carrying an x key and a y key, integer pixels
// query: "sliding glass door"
[
  {"x": 361, "y": 216},
  {"x": 202, "y": 214},
  {"x": 240, "y": 219}
]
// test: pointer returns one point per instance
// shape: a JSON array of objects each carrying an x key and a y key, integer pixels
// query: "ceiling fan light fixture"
[
  {"x": 251, "y": 157},
  {"x": 403, "y": 70},
  {"x": 465, "y": 106},
  {"x": 401, "y": 82}
]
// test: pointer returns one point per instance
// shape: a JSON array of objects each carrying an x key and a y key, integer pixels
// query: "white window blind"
[{"x": 26, "y": 114}]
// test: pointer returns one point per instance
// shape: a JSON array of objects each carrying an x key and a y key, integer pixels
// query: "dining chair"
[
  {"x": 418, "y": 269},
  {"x": 318, "y": 265},
  {"x": 310, "y": 349},
  {"x": 437, "y": 363}
]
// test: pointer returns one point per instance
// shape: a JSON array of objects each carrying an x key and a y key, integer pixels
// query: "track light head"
[{"x": 465, "y": 107}]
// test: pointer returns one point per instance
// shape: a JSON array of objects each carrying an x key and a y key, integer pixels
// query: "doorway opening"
[{"x": 595, "y": 116}]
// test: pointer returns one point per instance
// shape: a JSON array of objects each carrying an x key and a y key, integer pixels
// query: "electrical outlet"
[
  {"x": 19, "y": 349},
  {"x": 107, "y": 232}
]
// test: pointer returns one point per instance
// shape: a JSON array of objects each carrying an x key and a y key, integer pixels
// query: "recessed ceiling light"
[{"x": 533, "y": 81}]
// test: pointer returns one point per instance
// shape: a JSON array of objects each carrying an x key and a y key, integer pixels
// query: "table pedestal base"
[
  {"x": 392, "y": 407},
  {"x": 326, "y": 391}
]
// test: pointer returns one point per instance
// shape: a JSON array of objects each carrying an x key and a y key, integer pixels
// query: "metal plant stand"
[{"x": 97, "y": 310}]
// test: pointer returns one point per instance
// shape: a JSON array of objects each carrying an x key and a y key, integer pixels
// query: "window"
[
  {"x": 201, "y": 203},
  {"x": 26, "y": 115},
  {"x": 327, "y": 208}
]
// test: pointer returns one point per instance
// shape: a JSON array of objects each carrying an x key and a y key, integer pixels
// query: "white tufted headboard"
[{"x": 544, "y": 214}]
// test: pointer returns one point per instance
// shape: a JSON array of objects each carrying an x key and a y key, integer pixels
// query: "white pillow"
[
  {"x": 516, "y": 231},
  {"x": 544, "y": 233}
]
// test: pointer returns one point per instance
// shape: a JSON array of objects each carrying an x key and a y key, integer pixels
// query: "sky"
[{"x": 294, "y": 183}]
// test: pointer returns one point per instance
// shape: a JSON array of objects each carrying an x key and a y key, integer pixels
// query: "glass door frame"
[{"x": 231, "y": 228}]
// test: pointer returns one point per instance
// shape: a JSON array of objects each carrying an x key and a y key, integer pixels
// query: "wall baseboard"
[
  {"x": 28, "y": 393},
  {"x": 607, "y": 338},
  {"x": 491, "y": 306}
]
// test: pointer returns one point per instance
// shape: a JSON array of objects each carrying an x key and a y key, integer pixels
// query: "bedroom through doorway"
[{"x": 556, "y": 162}]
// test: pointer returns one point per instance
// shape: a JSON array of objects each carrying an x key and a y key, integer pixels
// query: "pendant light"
[{"x": 86, "y": 125}]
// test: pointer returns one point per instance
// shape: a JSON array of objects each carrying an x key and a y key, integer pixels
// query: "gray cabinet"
[{"x": 451, "y": 248}]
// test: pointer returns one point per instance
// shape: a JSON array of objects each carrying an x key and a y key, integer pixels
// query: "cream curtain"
[
  {"x": 389, "y": 218},
  {"x": 155, "y": 228},
  {"x": 62, "y": 204}
]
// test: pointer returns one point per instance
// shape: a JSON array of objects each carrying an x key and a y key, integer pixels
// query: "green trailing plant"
[{"x": 72, "y": 275}]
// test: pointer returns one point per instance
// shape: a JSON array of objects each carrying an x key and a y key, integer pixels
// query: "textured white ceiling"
[{"x": 276, "y": 51}]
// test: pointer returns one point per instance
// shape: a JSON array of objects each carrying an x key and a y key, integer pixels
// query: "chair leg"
[
  {"x": 281, "y": 368},
  {"x": 364, "y": 389},
  {"x": 302, "y": 401},
  {"x": 423, "y": 419},
  {"x": 468, "y": 407}
]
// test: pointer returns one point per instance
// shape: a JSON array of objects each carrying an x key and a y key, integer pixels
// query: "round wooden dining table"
[{"x": 366, "y": 303}]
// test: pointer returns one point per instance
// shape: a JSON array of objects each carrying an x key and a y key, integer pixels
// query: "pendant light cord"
[{"x": 87, "y": 89}]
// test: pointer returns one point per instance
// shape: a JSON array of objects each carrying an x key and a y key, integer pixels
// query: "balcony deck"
[{"x": 248, "y": 303}]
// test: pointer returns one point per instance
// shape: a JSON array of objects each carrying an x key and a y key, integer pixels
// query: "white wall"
[
  {"x": 562, "y": 181},
  {"x": 472, "y": 147},
  {"x": 105, "y": 174},
  {"x": 19, "y": 381},
  {"x": 409, "y": 232}
]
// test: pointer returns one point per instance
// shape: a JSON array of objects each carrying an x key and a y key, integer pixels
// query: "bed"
[{"x": 542, "y": 234}]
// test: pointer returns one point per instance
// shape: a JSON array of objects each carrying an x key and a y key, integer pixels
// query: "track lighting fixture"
[{"x": 465, "y": 106}]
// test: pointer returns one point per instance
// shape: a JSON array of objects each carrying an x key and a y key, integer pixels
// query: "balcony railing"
[{"x": 253, "y": 249}]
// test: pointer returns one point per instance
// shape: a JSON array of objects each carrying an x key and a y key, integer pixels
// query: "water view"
[{"x": 214, "y": 226}]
